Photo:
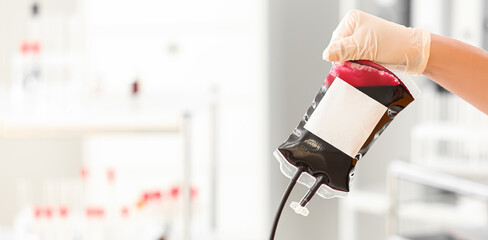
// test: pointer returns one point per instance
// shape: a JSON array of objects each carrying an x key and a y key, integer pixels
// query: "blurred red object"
[
  {"x": 63, "y": 211},
  {"x": 84, "y": 173},
  {"x": 125, "y": 211},
  {"x": 111, "y": 175},
  {"x": 30, "y": 47},
  {"x": 94, "y": 212}
]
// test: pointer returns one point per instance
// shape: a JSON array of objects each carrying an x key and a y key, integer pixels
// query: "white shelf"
[
  {"x": 12, "y": 127},
  {"x": 436, "y": 179},
  {"x": 465, "y": 213},
  {"x": 461, "y": 215}
]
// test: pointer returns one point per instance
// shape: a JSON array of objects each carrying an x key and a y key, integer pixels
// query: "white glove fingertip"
[
  {"x": 331, "y": 53},
  {"x": 325, "y": 54}
]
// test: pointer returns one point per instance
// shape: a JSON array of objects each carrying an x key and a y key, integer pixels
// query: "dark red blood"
[
  {"x": 151, "y": 195},
  {"x": 24, "y": 47},
  {"x": 84, "y": 173},
  {"x": 94, "y": 212},
  {"x": 30, "y": 47},
  {"x": 35, "y": 47},
  {"x": 193, "y": 192},
  {"x": 49, "y": 212},
  {"x": 125, "y": 211},
  {"x": 145, "y": 196},
  {"x": 111, "y": 175},
  {"x": 63, "y": 211},
  {"x": 362, "y": 74},
  {"x": 156, "y": 195},
  {"x": 175, "y": 191},
  {"x": 37, "y": 212},
  {"x": 135, "y": 87}
]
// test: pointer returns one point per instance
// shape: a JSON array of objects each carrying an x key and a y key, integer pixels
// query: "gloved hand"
[{"x": 364, "y": 36}]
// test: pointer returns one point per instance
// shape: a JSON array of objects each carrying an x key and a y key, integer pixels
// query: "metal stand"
[
  {"x": 399, "y": 170},
  {"x": 186, "y": 176}
]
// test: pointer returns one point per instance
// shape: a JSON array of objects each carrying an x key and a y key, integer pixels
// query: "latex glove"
[{"x": 364, "y": 36}]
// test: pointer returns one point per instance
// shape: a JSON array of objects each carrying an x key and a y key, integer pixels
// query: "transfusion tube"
[{"x": 288, "y": 190}]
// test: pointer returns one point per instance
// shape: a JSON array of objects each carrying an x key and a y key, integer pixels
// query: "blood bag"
[{"x": 356, "y": 103}]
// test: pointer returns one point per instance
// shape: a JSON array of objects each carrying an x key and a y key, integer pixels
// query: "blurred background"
[{"x": 157, "y": 119}]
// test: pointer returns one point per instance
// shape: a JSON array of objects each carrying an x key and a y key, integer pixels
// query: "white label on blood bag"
[{"x": 345, "y": 117}]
